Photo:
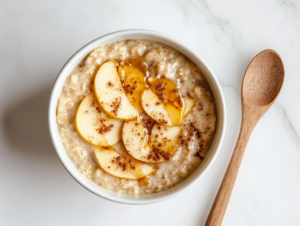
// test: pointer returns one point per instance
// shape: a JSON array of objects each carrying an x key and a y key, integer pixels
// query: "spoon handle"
[{"x": 219, "y": 207}]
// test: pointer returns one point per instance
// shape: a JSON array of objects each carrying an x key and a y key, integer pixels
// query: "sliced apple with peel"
[
  {"x": 161, "y": 148},
  {"x": 94, "y": 125},
  {"x": 163, "y": 142},
  {"x": 154, "y": 107},
  {"x": 135, "y": 137},
  {"x": 110, "y": 93},
  {"x": 168, "y": 93},
  {"x": 134, "y": 83},
  {"x": 121, "y": 165},
  {"x": 188, "y": 105},
  {"x": 174, "y": 114}
]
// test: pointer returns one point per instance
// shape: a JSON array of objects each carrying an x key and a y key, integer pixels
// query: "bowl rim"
[{"x": 82, "y": 52}]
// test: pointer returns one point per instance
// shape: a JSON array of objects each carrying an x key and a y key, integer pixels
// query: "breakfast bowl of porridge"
[{"x": 136, "y": 117}]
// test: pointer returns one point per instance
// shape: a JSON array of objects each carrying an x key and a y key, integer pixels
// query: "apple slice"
[
  {"x": 121, "y": 165},
  {"x": 154, "y": 107},
  {"x": 162, "y": 144},
  {"x": 94, "y": 125},
  {"x": 110, "y": 93},
  {"x": 134, "y": 84},
  {"x": 168, "y": 93},
  {"x": 188, "y": 105},
  {"x": 163, "y": 141},
  {"x": 135, "y": 137},
  {"x": 174, "y": 114}
]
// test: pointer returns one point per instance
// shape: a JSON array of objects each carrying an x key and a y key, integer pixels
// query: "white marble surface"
[{"x": 37, "y": 37}]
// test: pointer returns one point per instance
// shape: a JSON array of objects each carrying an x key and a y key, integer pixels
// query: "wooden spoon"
[{"x": 261, "y": 85}]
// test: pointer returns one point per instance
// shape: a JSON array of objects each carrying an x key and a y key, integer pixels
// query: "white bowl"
[{"x": 158, "y": 37}]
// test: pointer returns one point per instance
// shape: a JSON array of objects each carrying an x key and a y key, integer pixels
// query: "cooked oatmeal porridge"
[{"x": 139, "y": 110}]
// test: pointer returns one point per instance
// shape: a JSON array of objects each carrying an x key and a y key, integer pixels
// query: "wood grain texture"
[{"x": 261, "y": 85}]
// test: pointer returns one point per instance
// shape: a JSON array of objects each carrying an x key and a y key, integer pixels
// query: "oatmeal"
[{"x": 136, "y": 117}]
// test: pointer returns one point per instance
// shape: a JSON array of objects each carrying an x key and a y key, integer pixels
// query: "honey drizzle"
[
  {"x": 138, "y": 63},
  {"x": 144, "y": 181}
]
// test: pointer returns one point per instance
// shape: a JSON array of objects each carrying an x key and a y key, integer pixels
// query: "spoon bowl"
[{"x": 263, "y": 79}]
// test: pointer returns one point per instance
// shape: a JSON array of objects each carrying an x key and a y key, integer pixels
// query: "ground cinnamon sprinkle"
[
  {"x": 116, "y": 105},
  {"x": 196, "y": 131},
  {"x": 110, "y": 84},
  {"x": 104, "y": 128},
  {"x": 132, "y": 167},
  {"x": 165, "y": 155},
  {"x": 124, "y": 166},
  {"x": 162, "y": 121},
  {"x": 200, "y": 107},
  {"x": 123, "y": 163},
  {"x": 160, "y": 87},
  {"x": 98, "y": 110},
  {"x": 197, "y": 154},
  {"x": 156, "y": 154},
  {"x": 131, "y": 89}
]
